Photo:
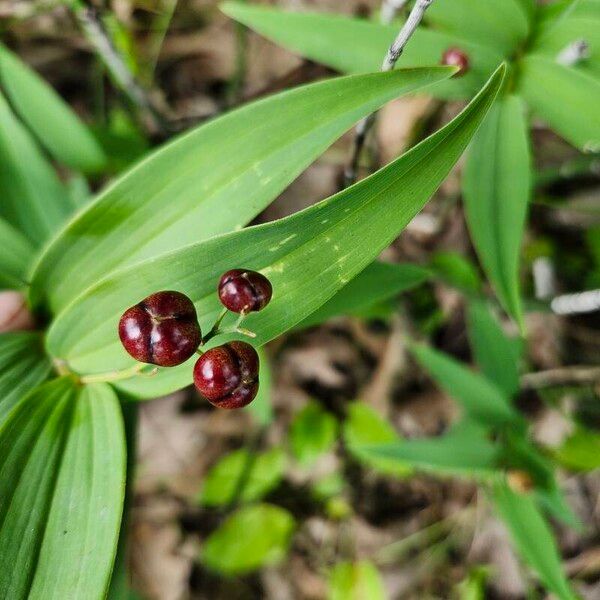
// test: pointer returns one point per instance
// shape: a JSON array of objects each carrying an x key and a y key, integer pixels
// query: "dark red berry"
[
  {"x": 243, "y": 291},
  {"x": 455, "y": 57},
  {"x": 161, "y": 330},
  {"x": 227, "y": 376}
]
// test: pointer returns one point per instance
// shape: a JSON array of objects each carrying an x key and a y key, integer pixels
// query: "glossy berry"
[
  {"x": 161, "y": 330},
  {"x": 243, "y": 291},
  {"x": 455, "y": 57},
  {"x": 227, "y": 376}
]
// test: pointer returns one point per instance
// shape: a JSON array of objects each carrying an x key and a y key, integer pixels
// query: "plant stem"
[
  {"x": 114, "y": 375},
  {"x": 389, "y": 62}
]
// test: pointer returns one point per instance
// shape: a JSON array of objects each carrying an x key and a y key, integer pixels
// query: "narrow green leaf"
[
  {"x": 480, "y": 399},
  {"x": 456, "y": 270},
  {"x": 464, "y": 450},
  {"x": 377, "y": 283},
  {"x": 243, "y": 476},
  {"x": 358, "y": 46},
  {"x": 364, "y": 428},
  {"x": 252, "y": 537},
  {"x": 212, "y": 180},
  {"x": 566, "y": 98},
  {"x": 496, "y": 354},
  {"x": 499, "y": 24},
  {"x": 497, "y": 186},
  {"x": 16, "y": 255},
  {"x": 533, "y": 538},
  {"x": 313, "y": 432},
  {"x": 356, "y": 581},
  {"x": 580, "y": 451},
  {"x": 48, "y": 116},
  {"x": 62, "y": 471},
  {"x": 23, "y": 366},
  {"x": 33, "y": 199},
  {"x": 572, "y": 29},
  {"x": 308, "y": 256}
]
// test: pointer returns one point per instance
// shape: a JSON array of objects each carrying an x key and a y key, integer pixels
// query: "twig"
[
  {"x": 389, "y": 62},
  {"x": 574, "y": 304},
  {"x": 95, "y": 32},
  {"x": 574, "y": 53},
  {"x": 563, "y": 376}
]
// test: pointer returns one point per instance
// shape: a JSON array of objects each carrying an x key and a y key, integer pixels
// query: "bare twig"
[
  {"x": 389, "y": 62},
  {"x": 574, "y": 304},
  {"x": 95, "y": 32},
  {"x": 574, "y": 53},
  {"x": 563, "y": 376}
]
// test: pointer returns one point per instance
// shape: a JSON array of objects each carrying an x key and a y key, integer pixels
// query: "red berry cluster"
[{"x": 163, "y": 330}]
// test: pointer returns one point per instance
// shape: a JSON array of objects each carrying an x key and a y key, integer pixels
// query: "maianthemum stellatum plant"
[
  {"x": 164, "y": 226},
  {"x": 175, "y": 224}
]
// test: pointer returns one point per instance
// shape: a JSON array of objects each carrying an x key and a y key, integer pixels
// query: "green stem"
[{"x": 114, "y": 375}]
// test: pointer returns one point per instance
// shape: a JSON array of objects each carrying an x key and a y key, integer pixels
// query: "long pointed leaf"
[
  {"x": 464, "y": 450},
  {"x": 496, "y": 354},
  {"x": 496, "y": 187},
  {"x": 49, "y": 117},
  {"x": 533, "y": 538},
  {"x": 308, "y": 256},
  {"x": 33, "y": 199},
  {"x": 357, "y": 46},
  {"x": 566, "y": 98},
  {"x": 23, "y": 366},
  {"x": 62, "y": 467},
  {"x": 480, "y": 399},
  {"x": 16, "y": 256},
  {"x": 212, "y": 180}
]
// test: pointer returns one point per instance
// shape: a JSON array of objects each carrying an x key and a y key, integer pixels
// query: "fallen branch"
[{"x": 564, "y": 376}]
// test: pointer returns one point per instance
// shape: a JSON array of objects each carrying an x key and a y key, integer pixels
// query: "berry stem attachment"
[{"x": 216, "y": 329}]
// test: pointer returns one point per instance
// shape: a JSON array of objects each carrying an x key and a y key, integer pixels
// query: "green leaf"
[
  {"x": 580, "y": 451},
  {"x": 499, "y": 24},
  {"x": 243, "y": 476},
  {"x": 573, "y": 28},
  {"x": 565, "y": 98},
  {"x": 496, "y": 354},
  {"x": 49, "y": 117},
  {"x": 16, "y": 255},
  {"x": 464, "y": 450},
  {"x": 212, "y": 180},
  {"x": 356, "y": 581},
  {"x": 497, "y": 187},
  {"x": 308, "y": 256},
  {"x": 33, "y": 199},
  {"x": 377, "y": 283},
  {"x": 364, "y": 427},
  {"x": 313, "y": 432},
  {"x": 23, "y": 366},
  {"x": 252, "y": 537},
  {"x": 480, "y": 399},
  {"x": 532, "y": 538},
  {"x": 457, "y": 271},
  {"x": 62, "y": 477},
  {"x": 358, "y": 46}
]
